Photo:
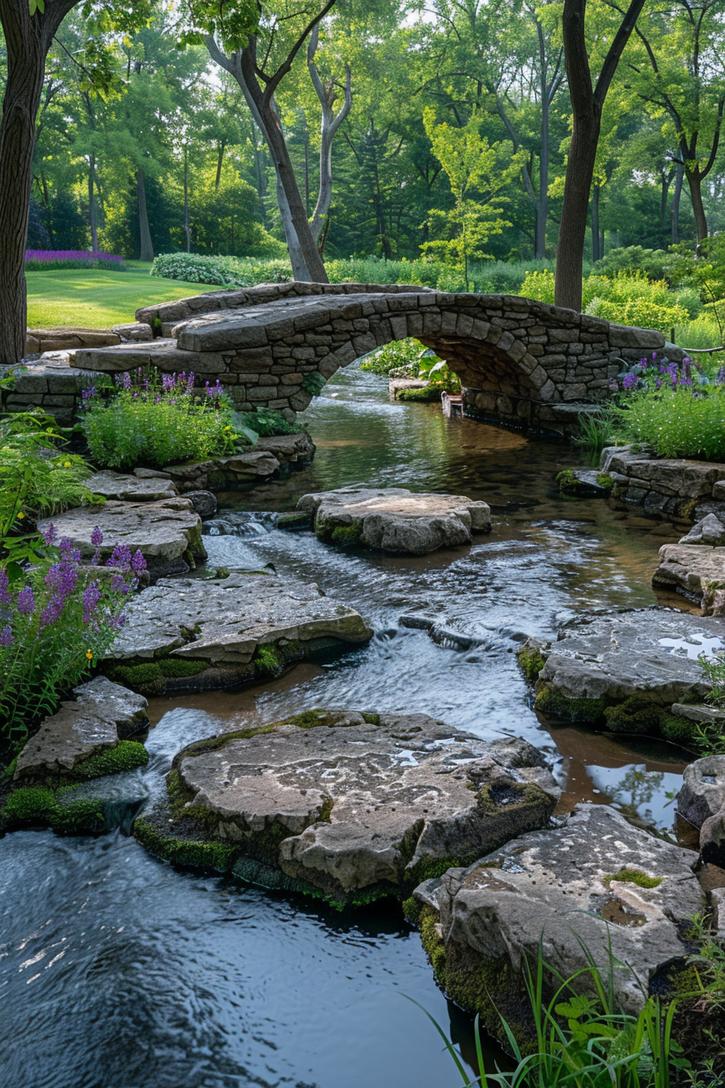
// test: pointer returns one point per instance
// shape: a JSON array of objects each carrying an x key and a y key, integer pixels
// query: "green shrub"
[
  {"x": 37, "y": 478},
  {"x": 656, "y": 264},
  {"x": 158, "y": 423},
  {"x": 679, "y": 422},
  {"x": 404, "y": 355},
  {"x": 267, "y": 421},
  {"x": 226, "y": 271}
]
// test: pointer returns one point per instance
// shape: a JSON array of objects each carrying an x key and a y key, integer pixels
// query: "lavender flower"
[
  {"x": 6, "y": 636},
  {"x": 138, "y": 563},
  {"x": 120, "y": 557},
  {"x": 50, "y": 534},
  {"x": 26, "y": 601},
  {"x": 629, "y": 381},
  {"x": 97, "y": 537},
  {"x": 91, "y": 600},
  {"x": 5, "y": 597},
  {"x": 52, "y": 611}
]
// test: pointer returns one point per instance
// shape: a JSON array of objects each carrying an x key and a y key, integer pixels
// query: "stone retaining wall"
[{"x": 678, "y": 489}]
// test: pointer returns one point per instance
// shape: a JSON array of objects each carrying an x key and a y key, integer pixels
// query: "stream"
[{"x": 116, "y": 971}]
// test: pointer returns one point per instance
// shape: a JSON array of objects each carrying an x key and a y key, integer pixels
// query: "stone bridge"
[{"x": 521, "y": 363}]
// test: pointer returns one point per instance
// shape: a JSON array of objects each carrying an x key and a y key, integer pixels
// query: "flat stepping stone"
[
  {"x": 701, "y": 801},
  {"x": 355, "y": 806},
  {"x": 238, "y": 471},
  {"x": 98, "y": 716},
  {"x": 127, "y": 488},
  {"x": 593, "y": 883},
  {"x": 193, "y": 634},
  {"x": 289, "y": 449},
  {"x": 162, "y": 353},
  {"x": 166, "y": 532},
  {"x": 625, "y": 670},
  {"x": 394, "y": 520}
]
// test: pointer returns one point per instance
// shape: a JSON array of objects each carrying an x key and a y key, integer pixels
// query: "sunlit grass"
[{"x": 98, "y": 298}]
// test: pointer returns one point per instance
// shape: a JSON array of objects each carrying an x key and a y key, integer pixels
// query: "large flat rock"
[
  {"x": 94, "y": 720},
  {"x": 237, "y": 471},
  {"x": 167, "y": 532},
  {"x": 594, "y": 882},
  {"x": 627, "y": 669},
  {"x": 395, "y": 520},
  {"x": 186, "y": 634},
  {"x": 126, "y": 488},
  {"x": 354, "y": 806}
]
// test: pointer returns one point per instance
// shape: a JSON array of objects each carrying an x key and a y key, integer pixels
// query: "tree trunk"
[
  {"x": 219, "y": 163},
  {"x": 542, "y": 204},
  {"x": 596, "y": 238},
  {"x": 676, "y": 200},
  {"x": 92, "y": 202},
  {"x": 329, "y": 124},
  {"x": 573, "y": 228},
  {"x": 694, "y": 181},
  {"x": 25, "y": 71},
  {"x": 145, "y": 243}
]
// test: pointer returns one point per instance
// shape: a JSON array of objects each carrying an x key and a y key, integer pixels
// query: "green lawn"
[{"x": 98, "y": 298}]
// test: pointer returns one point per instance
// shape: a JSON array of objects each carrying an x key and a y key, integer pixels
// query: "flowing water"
[{"x": 118, "y": 972}]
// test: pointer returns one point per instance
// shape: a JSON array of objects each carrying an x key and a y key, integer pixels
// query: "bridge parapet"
[{"x": 521, "y": 362}]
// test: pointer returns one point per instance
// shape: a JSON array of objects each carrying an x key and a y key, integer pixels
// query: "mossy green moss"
[
  {"x": 531, "y": 661},
  {"x": 427, "y": 393},
  {"x": 268, "y": 661},
  {"x": 567, "y": 482},
  {"x": 411, "y": 910},
  {"x": 345, "y": 536},
  {"x": 125, "y": 756},
  {"x": 371, "y": 719},
  {"x": 634, "y": 876},
  {"x": 149, "y": 677},
  {"x": 38, "y": 806},
  {"x": 556, "y": 705},
  {"x": 186, "y": 853},
  {"x": 295, "y": 520},
  {"x": 605, "y": 481}
]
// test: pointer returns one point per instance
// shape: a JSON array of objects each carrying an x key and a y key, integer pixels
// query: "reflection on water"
[{"x": 118, "y": 972}]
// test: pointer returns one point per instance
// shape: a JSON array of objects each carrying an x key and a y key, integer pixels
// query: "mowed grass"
[{"x": 98, "y": 298}]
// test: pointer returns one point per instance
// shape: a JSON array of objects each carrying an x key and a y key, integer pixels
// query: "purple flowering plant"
[
  {"x": 157, "y": 419},
  {"x": 55, "y": 627},
  {"x": 655, "y": 371}
]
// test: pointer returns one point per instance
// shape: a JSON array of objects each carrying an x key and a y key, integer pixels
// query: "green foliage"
[
  {"x": 267, "y": 421},
  {"x": 404, "y": 355},
  {"x": 124, "y": 756},
  {"x": 580, "y": 1036},
  {"x": 634, "y": 876},
  {"x": 680, "y": 422},
  {"x": 225, "y": 271},
  {"x": 268, "y": 661},
  {"x": 313, "y": 383},
  {"x": 37, "y": 478},
  {"x": 159, "y": 424}
]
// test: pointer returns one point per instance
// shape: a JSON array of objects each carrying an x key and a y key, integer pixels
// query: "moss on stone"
[
  {"x": 567, "y": 482},
  {"x": 184, "y": 852},
  {"x": 605, "y": 481},
  {"x": 28, "y": 806},
  {"x": 145, "y": 677},
  {"x": 371, "y": 719},
  {"x": 411, "y": 910},
  {"x": 297, "y": 519},
  {"x": 125, "y": 756},
  {"x": 268, "y": 661},
  {"x": 82, "y": 817},
  {"x": 346, "y": 536},
  {"x": 531, "y": 662},
  {"x": 676, "y": 729},
  {"x": 635, "y": 715},
  {"x": 634, "y": 876},
  {"x": 566, "y": 708},
  {"x": 174, "y": 667}
]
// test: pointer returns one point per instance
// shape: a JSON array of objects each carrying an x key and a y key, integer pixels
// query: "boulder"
[
  {"x": 395, "y": 520},
  {"x": 695, "y": 570},
  {"x": 167, "y": 532},
  {"x": 585, "y": 482},
  {"x": 134, "y": 331},
  {"x": 93, "y": 721},
  {"x": 204, "y": 502},
  {"x": 356, "y": 806},
  {"x": 239, "y": 471},
  {"x": 592, "y": 883},
  {"x": 626, "y": 669},
  {"x": 701, "y": 801},
  {"x": 709, "y": 530},
  {"x": 125, "y": 488},
  {"x": 296, "y": 449},
  {"x": 191, "y": 634}
]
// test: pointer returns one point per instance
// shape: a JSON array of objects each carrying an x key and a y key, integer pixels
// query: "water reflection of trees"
[{"x": 636, "y": 789}]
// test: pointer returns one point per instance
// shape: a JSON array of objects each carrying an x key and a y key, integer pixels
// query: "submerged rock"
[
  {"x": 593, "y": 883},
  {"x": 350, "y": 806},
  {"x": 626, "y": 669},
  {"x": 191, "y": 634},
  {"x": 701, "y": 801},
  {"x": 166, "y": 532},
  {"x": 395, "y": 520},
  {"x": 89, "y": 725}
]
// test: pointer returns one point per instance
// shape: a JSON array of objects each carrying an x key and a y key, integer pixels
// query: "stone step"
[{"x": 161, "y": 353}]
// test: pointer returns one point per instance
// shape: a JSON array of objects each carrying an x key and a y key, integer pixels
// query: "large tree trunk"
[
  {"x": 694, "y": 182},
  {"x": 573, "y": 228},
  {"x": 542, "y": 204},
  {"x": 596, "y": 236},
  {"x": 26, "y": 52},
  {"x": 329, "y": 124},
  {"x": 145, "y": 243},
  {"x": 676, "y": 200}
]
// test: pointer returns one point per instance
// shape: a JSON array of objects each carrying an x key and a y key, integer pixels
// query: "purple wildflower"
[
  {"x": 88, "y": 393},
  {"x": 4, "y": 589},
  {"x": 50, "y": 534},
  {"x": 6, "y": 636},
  {"x": 91, "y": 600},
  {"x": 120, "y": 557},
  {"x": 119, "y": 584},
  {"x": 629, "y": 381},
  {"x": 52, "y": 611},
  {"x": 97, "y": 537},
  {"x": 138, "y": 563},
  {"x": 61, "y": 578},
  {"x": 26, "y": 601}
]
